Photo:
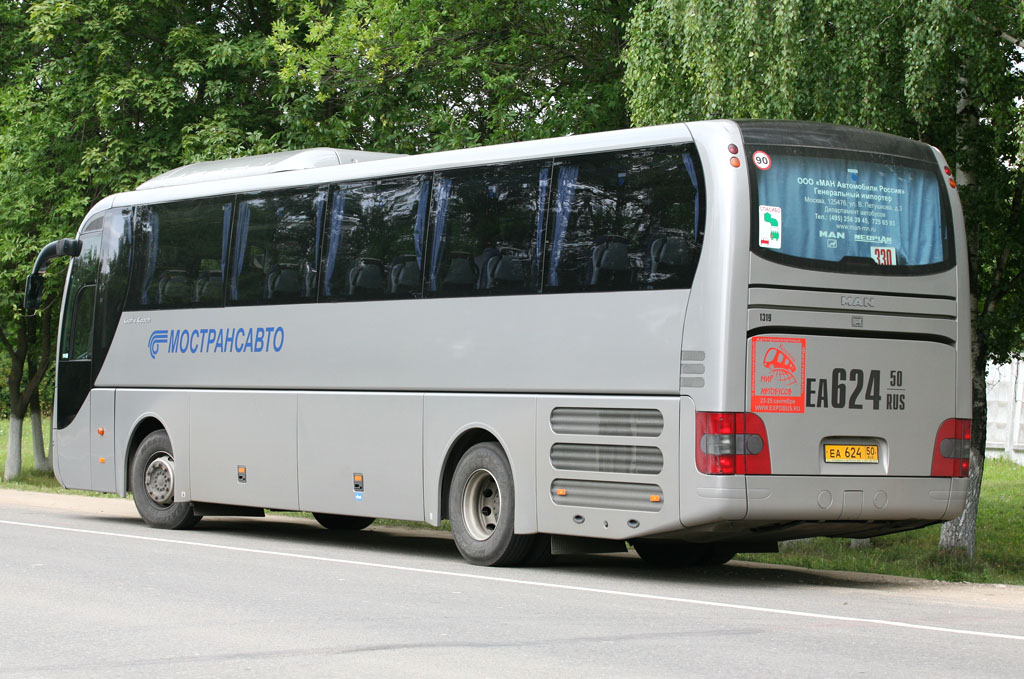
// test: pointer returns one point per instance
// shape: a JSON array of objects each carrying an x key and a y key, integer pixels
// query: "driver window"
[{"x": 76, "y": 333}]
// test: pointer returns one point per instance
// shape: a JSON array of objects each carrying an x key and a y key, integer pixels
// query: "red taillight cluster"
[
  {"x": 952, "y": 453},
  {"x": 732, "y": 443}
]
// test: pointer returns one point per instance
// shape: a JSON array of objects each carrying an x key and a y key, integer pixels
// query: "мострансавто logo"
[{"x": 217, "y": 341}]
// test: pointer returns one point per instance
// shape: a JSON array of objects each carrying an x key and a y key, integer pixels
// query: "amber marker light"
[
  {"x": 103, "y": 460},
  {"x": 101, "y": 431},
  {"x": 655, "y": 498},
  {"x": 952, "y": 183},
  {"x": 734, "y": 161},
  {"x": 560, "y": 491}
]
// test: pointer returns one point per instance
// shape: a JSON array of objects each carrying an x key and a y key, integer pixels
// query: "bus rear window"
[{"x": 852, "y": 212}]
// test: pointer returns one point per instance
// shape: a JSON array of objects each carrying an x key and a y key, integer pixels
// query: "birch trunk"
[{"x": 12, "y": 469}]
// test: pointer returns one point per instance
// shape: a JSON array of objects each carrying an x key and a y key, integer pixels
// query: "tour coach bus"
[{"x": 699, "y": 338}]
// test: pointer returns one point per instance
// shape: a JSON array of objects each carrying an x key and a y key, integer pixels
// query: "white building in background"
[{"x": 1006, "y": 411}]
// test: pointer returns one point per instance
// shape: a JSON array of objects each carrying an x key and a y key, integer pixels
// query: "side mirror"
[
  {"x": 33, "y": 291},
  {"x": 65, "y": 247}
]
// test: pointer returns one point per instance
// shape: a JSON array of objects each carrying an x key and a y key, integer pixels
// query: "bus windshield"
[{"x": 849, "y": 212}]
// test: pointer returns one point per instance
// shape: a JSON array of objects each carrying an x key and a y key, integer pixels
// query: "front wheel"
[
  {"x": 153, "y": 485},
  {"x": 481, "y": 503}
]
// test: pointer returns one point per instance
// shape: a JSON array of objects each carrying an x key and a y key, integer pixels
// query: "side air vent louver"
[
  {"x": 597, "y": 458},
  {"x": 607, "y": 421},
  {"x": 638, "y": 497}
]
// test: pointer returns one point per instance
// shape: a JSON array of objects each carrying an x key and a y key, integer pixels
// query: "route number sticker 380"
[{"x": 777, "y": 374}]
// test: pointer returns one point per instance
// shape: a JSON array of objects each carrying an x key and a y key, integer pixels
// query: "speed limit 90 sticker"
[{"x": 761, "y": 160}]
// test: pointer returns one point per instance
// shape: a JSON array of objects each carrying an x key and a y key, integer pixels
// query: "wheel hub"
[
  {"x": 160, "y": 480},
  {"x": 481, "y": 504}
]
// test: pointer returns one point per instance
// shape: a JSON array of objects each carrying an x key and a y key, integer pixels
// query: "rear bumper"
[{"x": 858, "y": 498}]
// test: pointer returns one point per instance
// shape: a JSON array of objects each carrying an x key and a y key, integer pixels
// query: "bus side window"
[
  {"x": 178, "y": 248},
  {"x": 274, "y": 248},
  {"x": 373, "y": 244},
  {"x": 486, "y": 225},
  {"x": 629, "y": 220}
]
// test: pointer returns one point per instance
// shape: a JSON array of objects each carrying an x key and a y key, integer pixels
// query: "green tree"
[
  {"x": 946, "y": 72},
  {"x": 95, "y": 96},
  {"x": 419, "y": 75}
]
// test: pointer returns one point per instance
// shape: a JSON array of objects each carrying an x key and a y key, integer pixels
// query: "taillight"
[
  {"x": 952, "y": 453},
  {"x": 732, "y": 443}
]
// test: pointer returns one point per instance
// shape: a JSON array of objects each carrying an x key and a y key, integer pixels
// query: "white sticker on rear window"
[
  {"x": 770, "y": 219},
  {"x": 884, "y": 256}
]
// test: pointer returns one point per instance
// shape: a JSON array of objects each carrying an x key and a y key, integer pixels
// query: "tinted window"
[
  {"x": 114, "y": 267},
  {"x": 851, "y": 212},
  {"x": 180, "y": 254},
  {"x": 76, "y": 332},
  {"x": 373, "y": 247},
  {"x": 630, "y": 220},
  {"x": 275, "y": 247},
  {"x": 486, "y": 224}
]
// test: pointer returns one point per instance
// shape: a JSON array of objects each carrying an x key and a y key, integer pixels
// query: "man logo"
[
  {"x": 157, "y": 338},
  {"x": 860, "y": 302}
]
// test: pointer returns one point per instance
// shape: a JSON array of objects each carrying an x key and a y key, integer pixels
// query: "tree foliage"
[
  {"x": 95, "y": 96},
  {"x": 416, "y": 75},
  {"x": 946, "y": 72}
]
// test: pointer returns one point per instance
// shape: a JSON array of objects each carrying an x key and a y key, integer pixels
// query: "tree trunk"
[
  {"x": 38, "y": 442},
  {"x": 958, "y": 535},
  {"x": 12, "y": 469},
  {"x": 20, "y": 392}
]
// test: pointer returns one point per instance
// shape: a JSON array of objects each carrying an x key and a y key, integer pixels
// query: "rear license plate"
[{"x": 851, "y": 453}]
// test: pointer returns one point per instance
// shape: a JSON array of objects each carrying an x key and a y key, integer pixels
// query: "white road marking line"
[{"x": 533, "y": 583}]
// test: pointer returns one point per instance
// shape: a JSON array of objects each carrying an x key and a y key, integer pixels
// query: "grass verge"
[
  {"x": 999, "y": 542},
  {"x": 999, "y": 547}
]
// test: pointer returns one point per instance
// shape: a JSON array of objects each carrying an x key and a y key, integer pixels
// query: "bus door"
[{"x": 72, "y": 418}]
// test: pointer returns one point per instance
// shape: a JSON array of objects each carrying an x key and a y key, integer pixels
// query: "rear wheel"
[
  {"x": 481, "y": 503},
  {"x": 670, "y": 554},
  {"x": 342, "y": 522},
  {"x": 153, "y": 485},
  {"x": 717, "y": 555}
]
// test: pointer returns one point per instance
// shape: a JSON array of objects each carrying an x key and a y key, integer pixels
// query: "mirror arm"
[{"x": 64, "y": 247}]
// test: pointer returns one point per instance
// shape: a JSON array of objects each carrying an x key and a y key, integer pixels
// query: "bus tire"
[
  {"x": 670, "y": 554},
  {"x": 481, "y": 503},
  {"x": 153, "y": 485},
  {"x": 717, "y": 555},
  {"x": 342, "y": 522}
]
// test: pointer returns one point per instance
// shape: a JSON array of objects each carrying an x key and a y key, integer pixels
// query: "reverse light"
[
  {"x": 951, "y": 455},
  {"x": 732, "y": 443}
]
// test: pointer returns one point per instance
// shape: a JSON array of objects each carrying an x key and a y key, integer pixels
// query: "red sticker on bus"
[{"x": 777, "y": 374}]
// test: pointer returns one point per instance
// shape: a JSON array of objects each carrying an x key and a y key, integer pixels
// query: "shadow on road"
[{"x": 288, "y": 534}]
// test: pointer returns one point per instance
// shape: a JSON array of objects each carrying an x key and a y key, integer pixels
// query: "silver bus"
[{"x": 699, "y": 338}]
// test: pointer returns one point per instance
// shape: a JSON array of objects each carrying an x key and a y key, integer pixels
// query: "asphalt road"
[{"x": 88, "y": 590}]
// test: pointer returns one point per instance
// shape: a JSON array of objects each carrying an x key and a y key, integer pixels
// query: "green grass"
[
  {"x": 999, "y": 548},
  {"x": 31, "y": 478},
  {"x": 999, "y": 542}
]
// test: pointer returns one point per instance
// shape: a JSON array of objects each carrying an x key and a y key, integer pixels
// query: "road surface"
[{"x": 89, "y": 590}]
